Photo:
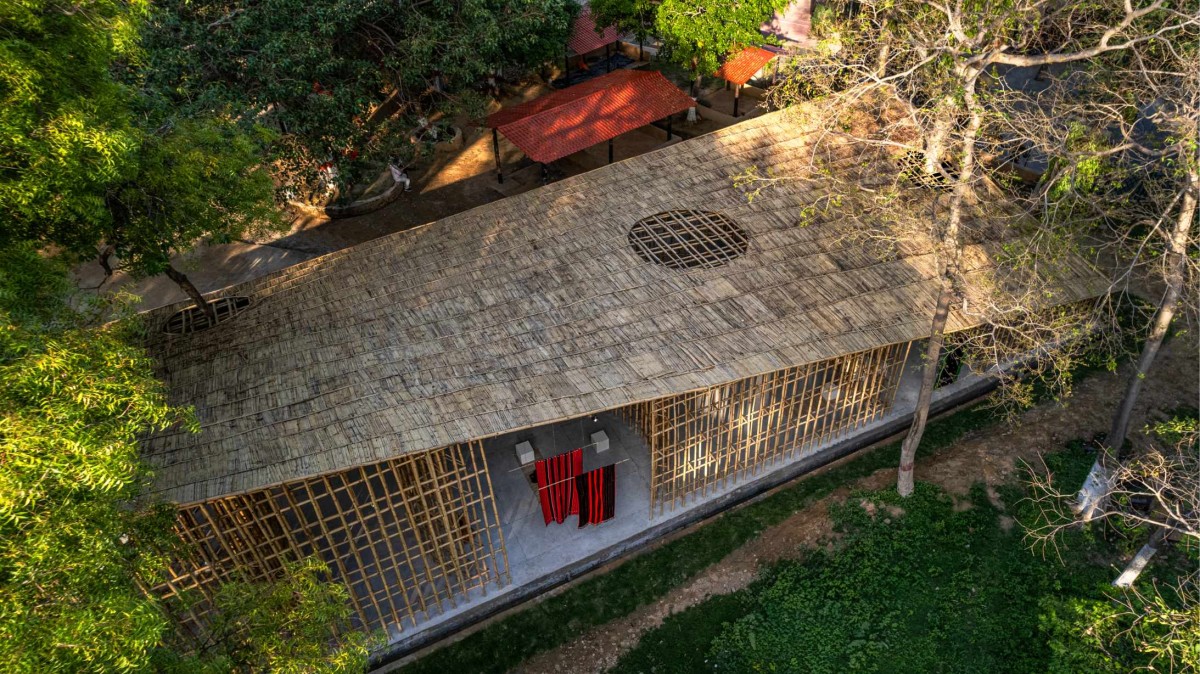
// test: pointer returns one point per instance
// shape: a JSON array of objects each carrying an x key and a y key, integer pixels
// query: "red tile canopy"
[
  {"x": 569, "y": 120},
  {"x": 740, "y": 67},
  {"x": 584, "y": 37}
]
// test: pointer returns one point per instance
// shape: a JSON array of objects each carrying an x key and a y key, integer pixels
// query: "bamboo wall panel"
[
  {"x": 408, "y": 536},
  {"x": 700, "y": 441}
]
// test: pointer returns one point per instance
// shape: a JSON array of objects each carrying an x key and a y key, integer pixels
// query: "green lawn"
[{"x": 936, "y": 589}]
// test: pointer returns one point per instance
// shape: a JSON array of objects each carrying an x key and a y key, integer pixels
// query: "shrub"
[{"x": 930, "y": 588}]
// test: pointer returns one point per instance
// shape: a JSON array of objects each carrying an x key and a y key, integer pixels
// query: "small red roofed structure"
[
  {"x": 585, "y": 38},
  {"x": 740, "y": 67},
  {"x": 567, "y": 121}
]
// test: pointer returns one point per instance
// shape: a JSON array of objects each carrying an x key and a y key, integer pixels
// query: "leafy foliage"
[
  {"x": 66, "y": 131},
  {"x": 696, "y": 34},
  {"x": 91, "y": 155},
  {"x": 629, "y": 16},
  {"x": 1166, "y": 622},
  {"x": 299, "y": 624},
  {"x": 681, "y": 643},
  {"x": 319, "y": 70},
  {"x": 1078, "y": 632},
  {"x": 699, "y": 33},
  {"x": 74, "y": 401},
  {"x": 920, "y": 585},
  {"x": 172, "y": 201},
  {"x": 922, "y": 589},
  {"x": 79, "y": 545}
]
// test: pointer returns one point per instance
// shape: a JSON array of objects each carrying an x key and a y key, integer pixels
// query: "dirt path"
[
  {"x": 990, "y": 456},
  {"x": 447, "y": 183}
]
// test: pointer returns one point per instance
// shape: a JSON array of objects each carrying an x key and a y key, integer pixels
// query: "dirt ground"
[
  {"x": 990, "y": 456},
  {"x": 451, "y": 182},
  {"x": 444, "y": 183}
]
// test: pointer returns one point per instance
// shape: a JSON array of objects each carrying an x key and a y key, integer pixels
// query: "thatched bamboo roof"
[{"x": 536, "y": 309}]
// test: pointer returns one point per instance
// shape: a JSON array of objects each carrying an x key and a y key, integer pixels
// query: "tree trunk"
[
  {"x": 696, "y": 82},
  {"x": 1094, "y": 494},
  {"x": 935, "y": 144},
  {"x": 933, "y": 351},
  {"x": 1141, "y": 559},
  {"x": 885, "y": 50},
  {"x": 186, "y": 285},
  {"x": 106, "y": 254},
  {"x": 950, "y": 254}
]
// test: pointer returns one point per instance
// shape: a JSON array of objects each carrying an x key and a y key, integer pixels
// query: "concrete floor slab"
[{"x": 535, "y": 548}]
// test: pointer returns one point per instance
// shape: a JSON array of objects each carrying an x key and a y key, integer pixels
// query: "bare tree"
[
  {"x": 1125, "y": 138},
  {"x": 1158, "y": 488},
  {"x": 945, "y": 65},
  {"x": 1165, "y": 622},
  {"x": 1158, "y": 243}
]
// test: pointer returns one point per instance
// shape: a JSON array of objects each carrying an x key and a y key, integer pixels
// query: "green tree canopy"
[
  {"x": 699, "y": 33},
  {"x": 299, "y": 624},
  {"x": 66, "y": 130},
  {"x": 194, "y": 180},
  {"x": 80, "y": 544},
  {"x": 91, "y": 155},
  {"x": 74, "y": 401},
  {"x": 629, "y": 16},
  {"x": 319, "y": 70}
]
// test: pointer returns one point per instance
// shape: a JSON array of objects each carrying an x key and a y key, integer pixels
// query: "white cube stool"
[
  {"x": 525, "y": 452},
  {"x": 600, "y": 440}
]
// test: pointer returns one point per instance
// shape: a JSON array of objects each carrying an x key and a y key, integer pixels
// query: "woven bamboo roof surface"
[{"x": 535, "y": 309}]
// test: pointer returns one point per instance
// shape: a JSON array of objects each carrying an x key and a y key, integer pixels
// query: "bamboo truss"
[
  {"x": 408, "y": 536},
  {"x": 702, "y": 440}
]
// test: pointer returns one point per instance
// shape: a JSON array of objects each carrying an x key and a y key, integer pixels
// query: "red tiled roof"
[
  {"x": 553, "y": 99},
  {"x": 567, "y": 121},
  {"x": 739, "y": 68},
  {"x": 584, "y": 37}
]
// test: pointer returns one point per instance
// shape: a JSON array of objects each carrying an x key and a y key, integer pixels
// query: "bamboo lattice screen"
[
  {"x": 699, "y": 441},
  {"x": 407, "y": 536}
]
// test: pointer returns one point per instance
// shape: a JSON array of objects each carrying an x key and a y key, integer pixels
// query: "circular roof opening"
[
  {"x": 187, "y": 321},
  {"x": 912, "y": 169},
  {"x": 688, "y": 239}
]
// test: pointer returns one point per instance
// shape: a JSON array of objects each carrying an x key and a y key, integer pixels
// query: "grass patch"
[
  {"x": 502, "y": 645},
  {"x": 932, "y": 589},
  {"x": 681, "y": 644}
]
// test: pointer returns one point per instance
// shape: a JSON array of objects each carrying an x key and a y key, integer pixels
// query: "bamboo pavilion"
[{"x": 365, "y": 406}]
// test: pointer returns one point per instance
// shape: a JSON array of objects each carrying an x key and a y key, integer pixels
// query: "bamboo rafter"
[
  {"x": 688, "y": 239},
  {"x": 191, "y": 319}
]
